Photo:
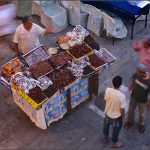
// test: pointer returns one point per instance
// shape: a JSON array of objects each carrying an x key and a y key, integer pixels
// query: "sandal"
[
  {"x": 117, "y": 145},
  {"x": 141, "y": 129},
  {"x": 127, "y": 125}
]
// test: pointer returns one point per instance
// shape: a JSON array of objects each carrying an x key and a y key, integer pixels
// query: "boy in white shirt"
[{"x": 114, "y": 111}]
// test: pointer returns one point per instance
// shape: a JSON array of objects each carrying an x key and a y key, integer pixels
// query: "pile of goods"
[
  {"x": 90, "y": 41},
  {"x": 27, "y": 83},
  {"x": 50, "y": 91},
  {"x": 41, "y": 68},
  {"x": 38, "y": 90},
  {"x": 105, "y": 55},
  {"x": 88, "y": 70},
  {"x": 71, "y": 39},
  {"x": 12, "y": 67},
  {"x": 75, "y": 68},
  {"x": 62, "y": 77},
  {"x": 79, "y": 51},
  {"x": 95, "y": 61},
  {"x": 60, "y": 59},
  {"x": 37, "y": 95},
  {"x": 81, "y": 68}
]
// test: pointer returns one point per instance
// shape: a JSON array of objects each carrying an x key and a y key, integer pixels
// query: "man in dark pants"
[
  {"x": 140, "y": 87},
  {"x": 114, "y": 111}
]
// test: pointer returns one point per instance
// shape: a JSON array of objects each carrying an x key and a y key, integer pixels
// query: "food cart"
[{"x": 47, "y": 86}]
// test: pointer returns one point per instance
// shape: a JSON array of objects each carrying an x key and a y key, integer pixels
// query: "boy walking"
[{"x": 114, "y": 111}]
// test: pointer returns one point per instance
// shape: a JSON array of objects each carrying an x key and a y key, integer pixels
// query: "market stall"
[{"x": 47, "y": 84}]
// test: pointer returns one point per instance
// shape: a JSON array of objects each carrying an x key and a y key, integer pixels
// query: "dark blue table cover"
[{"x": 119, "y": 7}]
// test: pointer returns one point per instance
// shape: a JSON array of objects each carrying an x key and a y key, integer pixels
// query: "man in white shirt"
[
  {"x": 26, "y": 36},
  {"x": 114, "y": 111}
]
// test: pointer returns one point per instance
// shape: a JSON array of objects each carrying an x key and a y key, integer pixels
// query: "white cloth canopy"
[
  {"x": 52, "y": 14},
  {"x": 95, "y": 21},
  {"x": 76, "y": 15}
]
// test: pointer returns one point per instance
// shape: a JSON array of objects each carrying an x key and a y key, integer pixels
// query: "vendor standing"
[{"x": 26, "y": 36}]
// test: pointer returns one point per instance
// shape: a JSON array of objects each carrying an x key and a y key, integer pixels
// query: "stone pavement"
[{"x": 82, "y": 129}]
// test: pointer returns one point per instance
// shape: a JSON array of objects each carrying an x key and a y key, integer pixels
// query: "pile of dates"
[
  {"x": 50, "y": 91},
  {"x": 88, "y": 70},
  {"x": 62, "y": 78},
  {"x": 60, "y": 59},
  {"x": 80, "y": 50},
  {"x": 90, "y": 41},
  {"x": 95, "y": 61},
  {"x": 37, "y": 95},
  {"x": 41, "y": 68},
  {"x": 89, "y": 38}
]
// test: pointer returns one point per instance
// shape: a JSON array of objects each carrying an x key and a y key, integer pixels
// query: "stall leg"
[
  {"x": 113, "y": 40},
  {"x": 96, "y": 83},
  {"x": 146, "y": 21},
  {"x": 90, "y": 87},
  {"x": 69, "y": 108},
  {"x": 132, "y": 30}
]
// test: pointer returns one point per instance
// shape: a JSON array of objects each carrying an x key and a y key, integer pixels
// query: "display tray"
[
  {"x": 88, "y": 70},
  {"x": 41, "y": 68},
  {"x": 11, "y": 67},
  {"x": 13, "y": 63},
  {"x": 89, "y": 38},
  {"x": 36, "y": 55},
  {"x": 27, "y": 98},
  {"x": 96, "y": 62},
  {"x": 30, "y": 100},
  {"x": 105, "y": 55},
  {"x": 71, "y": 84},
  {"x": 61, "y": 78},
  {"x": 50, "y": 91},
  {"x": 91, "y": 41},
  {"x": 60, "y": 59},
  {"x": 79, "y": 51}
]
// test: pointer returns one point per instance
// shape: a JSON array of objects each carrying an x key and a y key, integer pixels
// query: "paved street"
[{"x": 82, "y": 129}]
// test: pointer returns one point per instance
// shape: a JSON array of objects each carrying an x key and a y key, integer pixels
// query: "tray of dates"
[
  {"x": 35, "y": 97},
  {"x": 96, "y": 62},
  {"x": 60, "y": 59},
  {"x": 41, "y": 68},
  {"x": 62, "y": 78},
  {"x": 90, "y": 41},
  {"x": 35, "y": 92},
  {"x": 79, "y": 51},
  {"x": 88, "y": 70},
  {"x": 105, "y": 55},
  {"x": 50, "y": 91},
  {"x": 36, "y": 55}
]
